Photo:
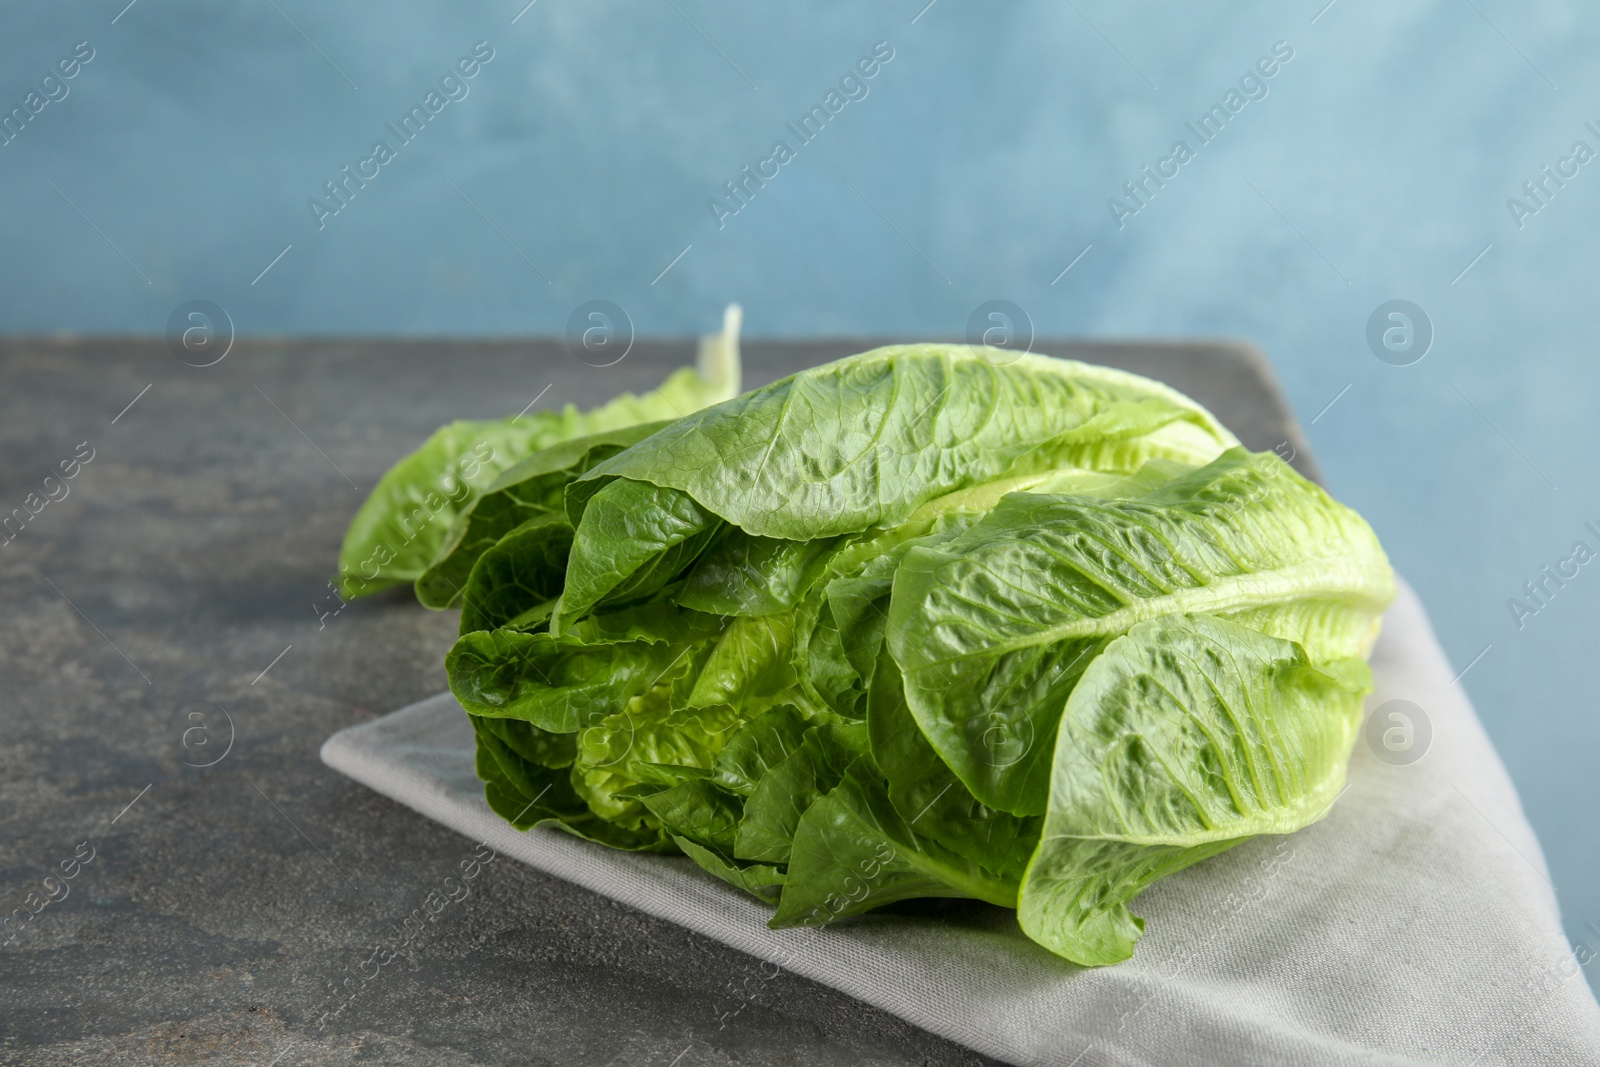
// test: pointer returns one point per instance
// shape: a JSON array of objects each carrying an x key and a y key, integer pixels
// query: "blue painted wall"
[{"x": 578, "y": 162}]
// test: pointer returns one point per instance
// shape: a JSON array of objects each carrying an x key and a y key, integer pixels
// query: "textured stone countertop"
[{"x": 179, "y": 586}]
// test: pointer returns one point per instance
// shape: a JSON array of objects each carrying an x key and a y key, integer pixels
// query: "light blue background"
[{"x": 1381, "y": 163}]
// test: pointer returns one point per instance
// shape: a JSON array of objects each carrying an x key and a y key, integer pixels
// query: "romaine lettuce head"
[{"x": 927, "y": 621}]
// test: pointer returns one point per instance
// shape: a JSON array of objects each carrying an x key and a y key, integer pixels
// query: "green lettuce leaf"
[
  {"x": 865, "y": 441},
  {"x": 762, "y": 881},
  {"x": 1185, "y": 737},
  {"x": 612, "y": 752},
  {"x": 564, "y": 683},
  {"x": 528, "y": 795},
  {"x": 638, "y": 538},
  {"x": 860, "y": 443},
  {"x": 744, "y": 575},
  {"x": 518, "y": 575},
  {"x": 750, "y": 665},
  {"x": 760, "y": 745},
  {"x": 532, "y": 744},
  {"x": 993, "y": 629},
  {"x": 773, "y": 809},
  {"x": 699, "y": 811},
  {"x": 929, "y": 796},
  {"x": 408, "y": 517},
  {"x": 853, "y": 852},
  {"x": 530, "y": 492},
  {"x": 782, "y": 795}
]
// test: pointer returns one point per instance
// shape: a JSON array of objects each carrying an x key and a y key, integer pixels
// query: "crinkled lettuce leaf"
[
  {"x": 993, "y": 629},
  {"x": 853, "y": 852},
  {"x": 564, "y": 683},
  {"x": 648, "y": 731},
  {"x": 527, "y": 794},
  {"x": 407, "y": 519},
  {"x": 865, "y": 441},
  {"x": 529, "y": 493},
  {"x": 1185, "y": 737},
  {"x": 773, "y": 810},
  {"x": 861, "y": 443},
  {"x": 927, "y": 793},
  {"x": 760, "y": 880}
]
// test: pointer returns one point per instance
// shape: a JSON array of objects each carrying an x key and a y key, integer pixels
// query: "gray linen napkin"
[{"x": 1416, "y": 924}]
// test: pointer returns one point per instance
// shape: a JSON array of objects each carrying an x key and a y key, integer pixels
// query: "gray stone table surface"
[{"x": 179, "y": 586}]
